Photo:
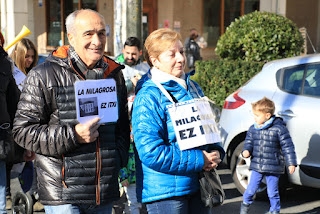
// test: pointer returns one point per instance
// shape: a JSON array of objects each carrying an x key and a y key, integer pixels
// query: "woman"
[
  {"x": 167, "y": 177},
  {"x": 25, "y": 55}
]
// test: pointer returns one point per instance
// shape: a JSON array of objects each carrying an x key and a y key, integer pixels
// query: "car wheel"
[{"x": 241, "y": 174}]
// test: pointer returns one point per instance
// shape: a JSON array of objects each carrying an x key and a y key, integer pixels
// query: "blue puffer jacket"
[
  {"x": 162, "y": 170},
  {"x": 269, "y": 147}
]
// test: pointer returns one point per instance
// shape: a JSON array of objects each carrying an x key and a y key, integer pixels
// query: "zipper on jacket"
[
  {"x": 63, "y": 169},
  {"x": 98, "y": 172}
]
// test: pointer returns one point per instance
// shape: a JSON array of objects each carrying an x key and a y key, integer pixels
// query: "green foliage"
[
  {"x": 219, "y": 78},
  {"x": 260, "y": 37}
]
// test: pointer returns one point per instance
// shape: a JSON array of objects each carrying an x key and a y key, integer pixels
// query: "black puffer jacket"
[
  {"x": 270, "y": 148},
  {"x": 70, "y": 172},
  {"x": 9, "y": 97}
]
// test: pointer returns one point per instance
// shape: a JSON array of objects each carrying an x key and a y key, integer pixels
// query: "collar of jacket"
[
  {"x": 121, "y": 60},
  {"x": 62, "y": 52}
]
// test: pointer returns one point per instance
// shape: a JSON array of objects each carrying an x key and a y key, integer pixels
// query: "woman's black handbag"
[{"x": 211, "y": 190}]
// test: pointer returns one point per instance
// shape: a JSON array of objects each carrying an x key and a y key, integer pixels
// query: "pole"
[{"x": 134, "y": 18}]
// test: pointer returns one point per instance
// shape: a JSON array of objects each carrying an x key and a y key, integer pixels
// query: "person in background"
[
  {"x": 195, "y": 36},
  {"x": 167, "y": 177},
  {"x": 9, "y": 97},
  {"x": 130, "y": 57},
  {"x": 193, "y": 44},
  {"x": 134, "y": 69},
  {"x": 77, "y": 164},
  {"x": 25, "y": 55},
  {"x": 127, "y": 178},
  {"x": 268, "y": 142}
]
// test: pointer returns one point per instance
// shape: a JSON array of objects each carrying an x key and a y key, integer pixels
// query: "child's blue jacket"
[{"x": 270, "y": 148}]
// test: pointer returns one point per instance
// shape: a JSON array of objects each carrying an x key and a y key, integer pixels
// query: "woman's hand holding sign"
[
  {"x": 88, "y": 132},
  {"x": 211, "y": 160}
]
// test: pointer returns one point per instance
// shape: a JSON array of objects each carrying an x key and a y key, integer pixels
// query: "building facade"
[{"x": 45, "y": 18}]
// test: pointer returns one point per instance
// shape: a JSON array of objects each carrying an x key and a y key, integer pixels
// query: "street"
[{"x": 297, "y": 200}]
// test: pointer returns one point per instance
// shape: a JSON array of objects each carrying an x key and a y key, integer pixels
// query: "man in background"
[{"x": 134, "y": 67}]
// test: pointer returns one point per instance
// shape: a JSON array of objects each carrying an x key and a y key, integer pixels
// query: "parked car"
[{"x": 294, "y": 86}]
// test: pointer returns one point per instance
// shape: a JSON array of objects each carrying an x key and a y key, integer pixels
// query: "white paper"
[
  {"x": 96, "y": 98},
  {"x": 193, "y": 123}
]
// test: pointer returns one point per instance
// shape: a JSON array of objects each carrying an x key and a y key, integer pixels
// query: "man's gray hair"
[{"x": 70, "y": 20}]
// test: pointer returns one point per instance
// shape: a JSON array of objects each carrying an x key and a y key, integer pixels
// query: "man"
[
  {"x": 193, "y": 44},
  {"x": 134, "y": 68},
  {"x": 77, "y": 164}
]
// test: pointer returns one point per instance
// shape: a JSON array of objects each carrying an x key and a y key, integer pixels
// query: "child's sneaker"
[{"x": 244, "y": 209}]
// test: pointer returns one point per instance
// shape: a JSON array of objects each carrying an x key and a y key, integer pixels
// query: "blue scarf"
[{"x": 265, "y": 124}]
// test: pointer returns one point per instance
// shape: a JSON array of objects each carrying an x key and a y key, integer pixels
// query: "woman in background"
[{"x": 25, "y": 55}]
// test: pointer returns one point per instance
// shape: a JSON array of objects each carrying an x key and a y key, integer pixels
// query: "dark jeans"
[
  {"x": 179, "y": 205},
  {"x": 272, "y": 189},
  {"x": 78, "y": 209},
  {"x": 8, "y": 173}
]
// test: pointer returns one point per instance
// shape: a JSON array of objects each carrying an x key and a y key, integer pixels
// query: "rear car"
[{"x": 292, "y": 84}]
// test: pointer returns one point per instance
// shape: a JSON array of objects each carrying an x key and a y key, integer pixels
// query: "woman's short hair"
[
  {"x": 158, "y": 42},
  {"x": 19, "y": 53},
  {"x": 264, "y": 105}
]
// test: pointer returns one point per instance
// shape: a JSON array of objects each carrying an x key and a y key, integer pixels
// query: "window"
[
  {"x": 302, "y": 80},
  {"x": 292, "y": 79},
  {"x": 312, "y": 81},
  {"x": 218, "y": 15},
  {"x": 57, "y": 11}
]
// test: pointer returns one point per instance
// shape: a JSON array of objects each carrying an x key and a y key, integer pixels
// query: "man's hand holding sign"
[
  {"x": 88, "y": 132},
  {"x": 96, "y": 98}
]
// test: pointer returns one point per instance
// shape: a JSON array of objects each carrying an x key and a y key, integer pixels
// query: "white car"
[{"x": 294, "y": 86}]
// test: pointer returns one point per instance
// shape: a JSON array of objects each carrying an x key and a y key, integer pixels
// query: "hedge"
[
  {"x": 260, "y": 37},
  {"x": 219, "y": 78}
]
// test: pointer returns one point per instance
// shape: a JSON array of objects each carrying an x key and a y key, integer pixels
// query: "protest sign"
[
  {"x": 96, "y": 98},
  {"x": 194, "y": 123}
]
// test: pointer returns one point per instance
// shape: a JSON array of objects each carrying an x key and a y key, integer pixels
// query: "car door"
[{"x": 299, "y": 106}]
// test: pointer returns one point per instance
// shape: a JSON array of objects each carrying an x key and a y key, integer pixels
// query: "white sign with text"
[
  {"x": 194, "y": 123},
  {"x": 96, "y": 98}
]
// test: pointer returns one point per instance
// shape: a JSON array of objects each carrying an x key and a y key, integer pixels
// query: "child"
[{"x": 268, "y": 142}]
